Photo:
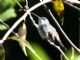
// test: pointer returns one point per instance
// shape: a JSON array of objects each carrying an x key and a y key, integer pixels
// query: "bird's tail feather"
[{"x": 62, "y": 46}]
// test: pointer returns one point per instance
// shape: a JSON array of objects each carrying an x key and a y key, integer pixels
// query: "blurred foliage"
[
  {"x": 9, "y": 13},
  {"x": 5, "y": 4},
  {"x": 7, "y": 10},
  {"x": 39, "y": 50},
  {"x": 2, "y": 27},
  {"x": 75, "y": 56},
  {"x": 2, "y": 52}
]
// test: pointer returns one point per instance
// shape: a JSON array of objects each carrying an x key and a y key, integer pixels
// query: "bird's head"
[{"x": 43, "y": 20}]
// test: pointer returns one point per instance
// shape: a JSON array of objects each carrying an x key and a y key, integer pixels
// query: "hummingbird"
[{"x": 48, "y": 32}]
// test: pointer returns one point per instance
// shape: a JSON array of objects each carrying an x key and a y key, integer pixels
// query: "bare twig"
[
  {"x": 27, "y": 7},
  {"x": 7, "y": 26},
  {"x": 1, "y": 41},
  {"x": 61, "y": 29},
  {"x": 33, "y": 21},
  {"x": 49, "y": 40},
  {"x": 73, "y": 1},
  {"x": 73, "y": 6},
  {"x": 19, "y": 4},
  {"x": 63, "y": 32},
  {"x": 29, "y": 47},
  {"x": 58, "y": 49},
  {"x": 22, "y": 18}
]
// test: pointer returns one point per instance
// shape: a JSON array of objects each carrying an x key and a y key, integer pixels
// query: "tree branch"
[
  {"x": 71, "y": 5},
  {"x": 54, "y": 19},
  {"x": 63, "y": 31},
  {"x": 74, "y": 1},
  {"x": 22, "y": 18},
  {"x": 7, "y": 26},
  {"x": 58, "y": 49}
]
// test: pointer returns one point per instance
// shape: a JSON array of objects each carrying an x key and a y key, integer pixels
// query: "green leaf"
[
  {"x": 2, "y": 27},
  {"x": 9, "y": 13},
  {"x": 5, "y": 4},
  {"x": 39, "y": 50},
  {"x": 2, "y": 52},
  {"x": 75, "y": 56}
]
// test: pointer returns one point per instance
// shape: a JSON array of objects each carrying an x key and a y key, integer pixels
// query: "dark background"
[{"x": 71, "y": 27}]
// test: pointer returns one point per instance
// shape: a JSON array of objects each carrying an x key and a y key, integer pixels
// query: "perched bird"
[
  {"x": 21, "y": 39},
  {"x": 48, "y": 32},
  {"x": 23, "y": 42},
  {"x": 58, "y": 7}
]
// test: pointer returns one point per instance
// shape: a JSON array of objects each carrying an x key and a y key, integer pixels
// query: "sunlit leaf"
[
  {"x": 6, "y": 4},
  {"x": 7, "y": 9},
  {"x": 40, "y": 51},
  {"x": 2, "y": 27},
  {"x": 8, "y": 14},
  {"x": 75, "y": 56}
]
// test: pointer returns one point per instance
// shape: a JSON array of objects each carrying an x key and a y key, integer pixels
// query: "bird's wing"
[
  {"x": 23, "y": 47},
  {"x": 42, "y": 32}
]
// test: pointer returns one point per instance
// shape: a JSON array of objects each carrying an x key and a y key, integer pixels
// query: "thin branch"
[
  {"x": 22, "y": 18},
  {"x": 58, "y": 49},
  {"x": 4, "y": 24},
  {"x": 34, "y": 23},
  {"x": 73, "y": 1},
  {"x": 28, "y": 46},
  {"x": 61, "y": 57},
  {"x": 63, "y": 31},
  {"x": 27, "y": 7},
  {"x": 19, "y": 4},
  {"x": 7, "y": 26},
  {"x": 1, "y": 41},
  {"x": 71, "y": 5}
]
